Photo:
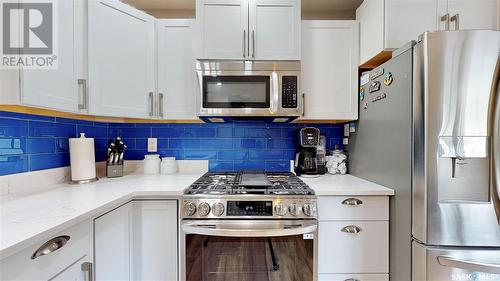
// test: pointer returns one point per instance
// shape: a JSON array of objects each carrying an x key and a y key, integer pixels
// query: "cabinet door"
[
  {"x": 176, "y": 69},
  {"x": 121, "y": 60},
  {"x": 58, "y": 88},
  {"x": 113, "y": 244},
  {"x": 155, "y": 240},
  {"x": 274, "y": 27},
  {"x": 407, "y": 19},
  {"x": 329, "y": 76},
  {"x": 224, "y": 27},
  {"x": 74, "y": 273},
  {"x": 474, "y": 14},
  {"x": 370, "y": 15}
]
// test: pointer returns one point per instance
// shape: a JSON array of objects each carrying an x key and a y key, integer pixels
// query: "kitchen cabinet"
[
  {"x": 137, "y": 241},
  {"x": 469, "y": 14},
  {"x": 250, "y": 29},
  {"x": 177, "y": 81},
  {"x": 329, "y": 76},
  {"x": 62, "y": 87},
  {"x": 358, "y": 226},
  {"x": 121, "y": 60},
  {"x": 72, "y": 261},
  {"x": 386, "y": 25}
]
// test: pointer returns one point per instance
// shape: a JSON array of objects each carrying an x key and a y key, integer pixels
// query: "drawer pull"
[
  {"x": 351, "y": 229},
  {"x": 352, "y": 279},
  {"x": 50, "y": 246},
  {"x": 352, "y": 202}
]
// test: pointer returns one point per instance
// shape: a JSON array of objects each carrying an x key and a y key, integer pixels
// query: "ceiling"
[{"x": 311, "y": 9}]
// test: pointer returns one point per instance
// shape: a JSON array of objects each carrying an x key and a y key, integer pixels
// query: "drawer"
[
  {"x": 366, "y": 251},
  {"x": 353, "y": 208},
  {"x": 353, "y": 277},
  {"x": 20, "y": 266}
]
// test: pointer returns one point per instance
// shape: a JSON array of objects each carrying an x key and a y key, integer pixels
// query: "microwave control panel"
[{"x": 289, "y": 92}]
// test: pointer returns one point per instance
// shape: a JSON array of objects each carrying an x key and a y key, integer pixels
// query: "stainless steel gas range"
[{"x": 248, "y": 226}]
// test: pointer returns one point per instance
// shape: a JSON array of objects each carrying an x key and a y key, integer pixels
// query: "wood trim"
[
  {"x": 55, "y": 113},
  {"x": 377, "y": 60}
]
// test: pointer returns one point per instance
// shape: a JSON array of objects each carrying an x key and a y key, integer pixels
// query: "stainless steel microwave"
[{"x": 249, "y": 88}]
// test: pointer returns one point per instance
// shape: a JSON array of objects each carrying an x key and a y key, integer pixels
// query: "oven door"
[
  {"x": 238, "y": 93},
  {"x": 267, "y": 250}
]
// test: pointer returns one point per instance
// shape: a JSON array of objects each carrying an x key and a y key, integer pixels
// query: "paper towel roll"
[{"x": 82, "y": 158}]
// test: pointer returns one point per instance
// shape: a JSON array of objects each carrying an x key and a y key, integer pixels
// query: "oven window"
[
  {"x": 213, "y": 258},
  {"x": 236, "y": 91}
]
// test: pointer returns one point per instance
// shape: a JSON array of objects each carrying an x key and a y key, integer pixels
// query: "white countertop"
[
  {"x": 340, "y": 185},
  {"x": 27, "y": 219}
]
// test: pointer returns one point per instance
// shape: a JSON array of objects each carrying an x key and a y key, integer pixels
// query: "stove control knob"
[
  {"x": 294, "y": 209},
  {"x": 203, "y": 209},
  {"x": 218, "y": 209},
  {"x": 280, "y": 210},
  {"x": 189, "y": 209},
  {"x": 309, "y": 210}
]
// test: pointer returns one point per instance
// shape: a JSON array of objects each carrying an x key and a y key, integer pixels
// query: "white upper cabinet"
[
  {"x": 471, "y": 14},
  {"x": 250, "y": 29},
  {"x": 274, "y": 29},
  {"x": 224, "y": 25},
  {"x": 57, "y": 88},
  {"x": 386, "y": 25},
  {"x": 329, "y": 76},
  {"x": 121, "y": 60},
  {"x": 177, "y": 87}
]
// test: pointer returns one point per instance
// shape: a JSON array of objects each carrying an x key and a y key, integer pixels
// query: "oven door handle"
[{"x": 249, "y": 228}]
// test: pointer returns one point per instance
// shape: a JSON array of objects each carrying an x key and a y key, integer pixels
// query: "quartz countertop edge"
[{"x": 29, "y": 219}]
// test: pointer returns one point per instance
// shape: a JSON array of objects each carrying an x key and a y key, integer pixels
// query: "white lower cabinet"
[
  {"x": 353, "y": 238},
  {"x": 69, "y": 262},
  {"x": 137, "y": 241},
  {"x": 353, "y": 277}
]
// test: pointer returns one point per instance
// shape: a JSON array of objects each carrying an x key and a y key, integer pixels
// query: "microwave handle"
[
  {"x": 275, "y": 92},
  {"x": 268, "y": 229}
]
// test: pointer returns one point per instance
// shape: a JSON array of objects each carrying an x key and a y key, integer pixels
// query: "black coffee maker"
[{"x": 306, "y": 161}]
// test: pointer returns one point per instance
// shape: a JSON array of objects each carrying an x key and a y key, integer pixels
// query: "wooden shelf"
[{"x": 377, "y": 60}]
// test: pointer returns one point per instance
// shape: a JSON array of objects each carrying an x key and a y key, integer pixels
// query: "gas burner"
[{"x": 232, "y": 184}]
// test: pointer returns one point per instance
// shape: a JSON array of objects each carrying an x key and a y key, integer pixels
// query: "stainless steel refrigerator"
[{"x": 428, "y": 128}]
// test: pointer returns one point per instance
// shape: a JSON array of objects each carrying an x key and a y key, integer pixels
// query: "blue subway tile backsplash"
[{"x": 32, "y": 142}]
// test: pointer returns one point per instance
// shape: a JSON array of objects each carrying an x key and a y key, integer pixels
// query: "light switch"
[{"x": 152, "y": 145}]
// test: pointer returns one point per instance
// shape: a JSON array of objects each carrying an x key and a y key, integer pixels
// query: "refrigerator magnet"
[
  {"x": 388, "y": 79},
  {"x": 365, "y": 106},
  {"x": 361, "y": 94},
  {"x": 375, "y": 86}
]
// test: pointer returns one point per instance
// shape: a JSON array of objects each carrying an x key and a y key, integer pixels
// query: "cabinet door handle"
[
  {"x": 160, "y": 104},
  {"x": 253, "y": 43},
  {"x": 352, "y": 279},
  {"x": 351, "y": 229},
  {"x": 244, "y": 43},
  {"x": 151, "y": 104},
  {"x": 446, "y": 20},
  {"x": 352, "y": 202},
  {"x": 50, "y": 246},
  {"x": 82, "y": 83},
  {"x": 456, "y": 19},
  {"x": 87, "y": 267}
]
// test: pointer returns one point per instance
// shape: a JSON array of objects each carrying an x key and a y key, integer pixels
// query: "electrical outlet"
[{"x": 152, "y": 145}]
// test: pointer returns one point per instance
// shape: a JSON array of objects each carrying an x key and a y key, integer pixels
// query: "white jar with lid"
[
  {"x": 151, "y": 164},
  {"x": 169, "y": 166}
]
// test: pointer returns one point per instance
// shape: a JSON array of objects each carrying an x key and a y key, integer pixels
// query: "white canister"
[
  {"x": 169, "y": 165},
  {"x": 152, "y": 164},
  {"x": 82, "y": 159}
]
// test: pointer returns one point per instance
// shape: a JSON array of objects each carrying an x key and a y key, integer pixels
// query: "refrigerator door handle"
[
  {"x": 469, "y": 265},
  {"x": 495, "y": 142}
]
